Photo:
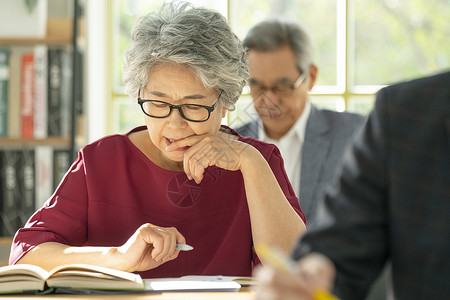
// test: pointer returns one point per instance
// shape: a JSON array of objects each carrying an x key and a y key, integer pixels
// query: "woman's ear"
[{"x": 224, "y": 112}]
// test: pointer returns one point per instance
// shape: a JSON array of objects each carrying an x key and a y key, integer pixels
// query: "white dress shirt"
[{"x": 290, "y": 146}]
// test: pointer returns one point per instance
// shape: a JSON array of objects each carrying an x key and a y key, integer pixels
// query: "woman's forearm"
[
  {"x": 149, "y": 247},
  {"x": 273, "y": 219},
  {"x": 50, "y": 255}
]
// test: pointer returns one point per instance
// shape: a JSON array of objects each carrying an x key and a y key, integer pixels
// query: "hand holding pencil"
[{"x": 311, "y": 278}]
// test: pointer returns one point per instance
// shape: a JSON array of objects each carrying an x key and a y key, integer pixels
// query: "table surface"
[{"x": 245, "y": 293}]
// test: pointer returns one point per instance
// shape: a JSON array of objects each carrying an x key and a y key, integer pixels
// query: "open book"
[
  {"x": 29, "y": 278},
  {"x": 23, "y": 277}
]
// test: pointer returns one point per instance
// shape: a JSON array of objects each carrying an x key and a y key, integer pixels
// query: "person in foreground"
[
  {"x": 390, "y": 203},
  {"x": 311, "y": 140},
  {"x": 183, "y": 178}
]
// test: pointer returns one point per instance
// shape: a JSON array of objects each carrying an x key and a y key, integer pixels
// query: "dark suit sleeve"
[{"x": 352, "y": 221}]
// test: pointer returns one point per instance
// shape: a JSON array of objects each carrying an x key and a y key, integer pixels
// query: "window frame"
[{"x": 347, "y": 95}]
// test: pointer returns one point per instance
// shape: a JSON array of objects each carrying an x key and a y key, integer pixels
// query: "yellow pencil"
[{"x": 280, "y": 261}]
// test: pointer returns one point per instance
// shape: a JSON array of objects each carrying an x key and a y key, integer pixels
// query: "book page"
[
  {"x": 82, "y": 276},
  {"x": 24, "y": 269},
  {"x": 22, "y": 277}
]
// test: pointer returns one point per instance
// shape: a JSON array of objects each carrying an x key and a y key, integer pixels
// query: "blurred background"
[
  {"x": 61, "y": 87},
  {"x": 361, "y": 45}
]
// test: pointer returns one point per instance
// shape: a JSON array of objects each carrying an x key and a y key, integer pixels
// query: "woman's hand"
[
  {"x": 221, "y": 150},
  {"x": 149, "y": 247}
]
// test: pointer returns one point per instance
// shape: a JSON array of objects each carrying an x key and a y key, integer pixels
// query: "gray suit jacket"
[
  {"x": 327, "y": 134},
  {"x": 391, "y": 201}
]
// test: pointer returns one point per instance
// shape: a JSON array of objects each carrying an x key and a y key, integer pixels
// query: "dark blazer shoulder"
[
  {"x": 425, "y": 100},
  {"x": 438, "y": 80},
  {"x": 434, "y": 88}
]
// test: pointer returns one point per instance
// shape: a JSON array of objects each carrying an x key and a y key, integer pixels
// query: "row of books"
[
  {"x": 35, "y": 91},
  {"x": 28, "y": 177}
]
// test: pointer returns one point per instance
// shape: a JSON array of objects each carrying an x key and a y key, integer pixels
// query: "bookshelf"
[
  {"x": 64, "y": 34},
  {"x": 59, "y": 32},
  {"x": 60, "y": 142}
]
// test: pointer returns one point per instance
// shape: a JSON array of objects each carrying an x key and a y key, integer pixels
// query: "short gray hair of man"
[
  {"x": 272, "y": 34},
  {"x": 197, "y": 37}
]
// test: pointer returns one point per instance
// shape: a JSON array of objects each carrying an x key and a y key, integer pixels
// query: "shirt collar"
[{"x": 298, "y": 129}]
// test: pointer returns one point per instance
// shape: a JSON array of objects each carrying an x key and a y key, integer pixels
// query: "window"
[{"x": 361, "y": 45}]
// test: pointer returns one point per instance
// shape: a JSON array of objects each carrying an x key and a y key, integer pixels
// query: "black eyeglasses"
[
  {"x": 283, "y": 89},
  {"x": 191, "y": 112}
]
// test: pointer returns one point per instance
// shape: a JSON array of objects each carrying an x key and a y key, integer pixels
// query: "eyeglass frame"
[
  {"x": 301, "y": 78},
  {"x": 210, "y": 109}
]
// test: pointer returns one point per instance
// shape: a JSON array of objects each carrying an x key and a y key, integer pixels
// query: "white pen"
[{"x": 183, "y": 247}]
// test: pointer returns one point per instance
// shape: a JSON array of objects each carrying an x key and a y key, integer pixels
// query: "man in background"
[
  {"x": 311, "y": 140},
  {"x": 391, "y": 203}
]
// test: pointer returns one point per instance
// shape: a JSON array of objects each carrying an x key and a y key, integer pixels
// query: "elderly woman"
[{"x": 183, "y": 178}]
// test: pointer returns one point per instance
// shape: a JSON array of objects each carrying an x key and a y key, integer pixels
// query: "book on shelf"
[
  {"x": 54, "y": 85},
  {"x": 61, "y": 164},
  {"x": 36, "y": 96},
  {"x": 27, "y": 95},
  {"x": 66, "y": 92},
  {"x": 28, "y": 177},
  {"x": 10, "y": 192},
  {"x": 14, "y": 126},
  {"x": 40, "y": 92},
  {"x": 44, "y": 174},
  {"x": 26, "y": 173},
  {"x": 81, "y": 277},
  {"x": 4, "y": 84}
]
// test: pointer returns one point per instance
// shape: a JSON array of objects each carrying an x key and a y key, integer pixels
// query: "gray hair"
[
  {"x": 272, "y": 34},
  {"x": 197, "y": 37}
]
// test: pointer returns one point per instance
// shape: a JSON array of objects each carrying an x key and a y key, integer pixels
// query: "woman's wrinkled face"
[{"x": 177, "y": 84}]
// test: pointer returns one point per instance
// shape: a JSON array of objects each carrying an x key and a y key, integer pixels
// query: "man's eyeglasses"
[
  {"x": 282, "y": 89},
  {"x": 191, "y": 112}
]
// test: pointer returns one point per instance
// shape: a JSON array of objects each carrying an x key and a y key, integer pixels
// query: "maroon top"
[{"x": 113, "y": 188}]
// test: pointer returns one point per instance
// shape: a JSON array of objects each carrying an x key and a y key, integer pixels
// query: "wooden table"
[{"x": 245, "y": 293}]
